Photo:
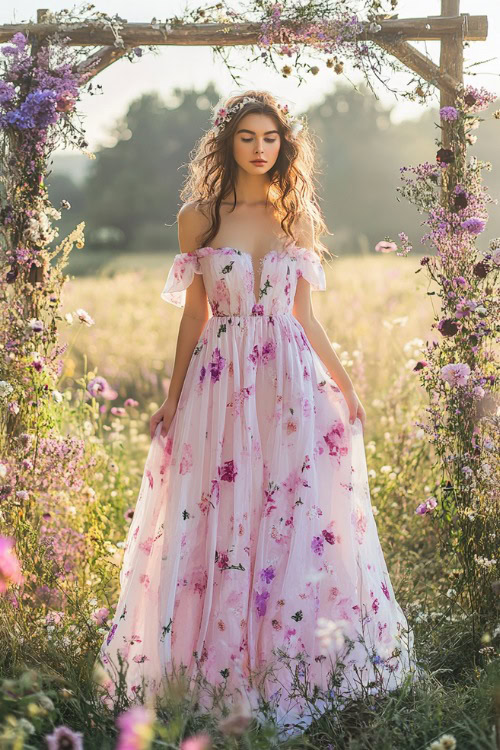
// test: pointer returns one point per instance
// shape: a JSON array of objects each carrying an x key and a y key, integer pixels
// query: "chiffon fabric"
[{"x": 253, "y": 519}]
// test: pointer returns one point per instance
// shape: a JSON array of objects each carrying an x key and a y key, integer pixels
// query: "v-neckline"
[{"x": 255, "y": 276}]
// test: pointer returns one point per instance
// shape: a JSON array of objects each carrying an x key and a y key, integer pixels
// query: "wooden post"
[
  {"x": 452, "y": 62},
  {"x": 35, "y": 273}
]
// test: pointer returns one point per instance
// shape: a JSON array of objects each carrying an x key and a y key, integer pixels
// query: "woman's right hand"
[{"x": 164, "y": 414}]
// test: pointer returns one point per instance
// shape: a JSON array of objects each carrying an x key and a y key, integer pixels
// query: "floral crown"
[{"x": 222, "y": 115}]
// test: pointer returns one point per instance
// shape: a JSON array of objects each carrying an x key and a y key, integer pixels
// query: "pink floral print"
[{"x": 253, "y": 518}]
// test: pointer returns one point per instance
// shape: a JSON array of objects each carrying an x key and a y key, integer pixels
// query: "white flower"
[
  {"x": 5, "y": 389},
  {"x": 68, "y": 318},
  {"x": 84, "y": 316},
  {"x": 35, "y": 325},
  {"x": 57, "y": 396},
  {"x": 26, "y": 725},
  {"x": 3, "y": 471},
  {"x": 331, "y": 633}
]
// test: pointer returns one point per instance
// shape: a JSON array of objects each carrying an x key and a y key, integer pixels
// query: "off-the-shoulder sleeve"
[
  {"x": 179, "y": 277},
  {"x": 309, "y": 266}
]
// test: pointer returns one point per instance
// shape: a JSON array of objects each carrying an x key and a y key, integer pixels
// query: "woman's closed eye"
[{"x": 268, "y": 140}]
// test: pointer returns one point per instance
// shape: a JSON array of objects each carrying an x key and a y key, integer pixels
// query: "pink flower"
[
  {"x": 136, "y": 727},
  {"x": 130, "y": 402},
  {"x": 427, "y": 506},
  {"x": 455, "y": 374},
  {"x": 197, "y": 742},
  {"x": 54, "y": 618},
  {"x": 99, "y": 386},
  {"x": 10, "y": 570},
  {"x": 385, "y": 247},
  {"x": 118, "y": 411},
  {"x": 101, "y": 615},
  {"x": 63, "y": 737}
]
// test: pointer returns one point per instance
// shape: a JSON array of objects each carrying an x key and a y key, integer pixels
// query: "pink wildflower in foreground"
[
  {"x": 136, "y": 727},
  {"x": 64, "y": 738},
  {"x": 427, "y": 506},
  {"x": 10, "y": 570},
  {"x": 198, "y": 742}
]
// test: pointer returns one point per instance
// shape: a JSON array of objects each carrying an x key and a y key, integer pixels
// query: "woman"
[{"x": 253, "y": 557}]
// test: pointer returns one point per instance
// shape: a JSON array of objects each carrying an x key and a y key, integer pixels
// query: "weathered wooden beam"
[
  {"x": 99, "y": 60},
  {"x": 475, "y": 28},
  {"x": 421, "y": 64}
]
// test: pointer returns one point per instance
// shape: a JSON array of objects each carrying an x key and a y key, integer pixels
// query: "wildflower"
[
  {"x": 447, "y": 327},
  {"x": 35, "y": 325},
  {"x": 448, "y": 113},
  {"x": 84, "y": 317},
  {"x": 427, "y": 506},
  {"x": 100, "y": 615},
  {"x": 385, "y": 247},
  {"x": 455, "y": 374},
  {"x": 64, "y": 737},
  {"x": 99, "y": 386},
  {"x": 330, "y": 633},
  {"x": 130, "y": 402},
  {"x": 10, "y": 570},
  {"x": 473, "y": 225},
  {"x": 238, "y": 720},
  {"x": 197, "y": 742},
  {"x": 5, "y": 389},
  {"x": 445, "y": 156},
  {"x": 136, "y": 728}
]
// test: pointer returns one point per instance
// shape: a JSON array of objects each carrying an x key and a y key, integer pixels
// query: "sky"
[{"x": 195, "y": 67}]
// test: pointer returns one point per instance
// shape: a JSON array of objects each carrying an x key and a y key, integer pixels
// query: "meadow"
[{"x": 377, "y": 317}]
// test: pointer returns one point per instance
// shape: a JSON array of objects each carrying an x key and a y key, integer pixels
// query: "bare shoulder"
[{"x": 192, "y": 224}]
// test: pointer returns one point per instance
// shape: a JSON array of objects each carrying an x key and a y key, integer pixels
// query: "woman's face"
[{"x": 256, "y": 137}]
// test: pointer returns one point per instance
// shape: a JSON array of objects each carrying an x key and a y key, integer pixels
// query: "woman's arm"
[
  {"x": 194, "y": 318},
  {"x": 316, "y": 334}
]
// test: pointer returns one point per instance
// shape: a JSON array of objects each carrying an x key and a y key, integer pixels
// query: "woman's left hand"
[{"x": 355, "y": 407}]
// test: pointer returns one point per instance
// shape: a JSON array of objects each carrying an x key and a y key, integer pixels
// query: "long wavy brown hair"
[{"x": 212, "y": 171}]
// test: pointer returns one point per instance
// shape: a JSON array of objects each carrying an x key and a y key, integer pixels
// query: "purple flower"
[
  {"x": 317, "y": 545},
  {"x": 268, "y": 352},
  {"x": 19, "y": 43},
  {"x": 448, "y": 113},
  {"x": 111, "y": 634},
  {"x": 261, "y": 602},
  {"x": 426, "y": 507},
  {"x": 38, "y": 111},
  {"x": 267, "y": 574},
  {"x": 64, "y": 738},
  {"x": 99, "y": 386},
  {"x": 7, "y": 92},
  {"x": 455, "y": 374},
  {"x": 473, "y": 225},
  {"x": 216, "y": 365}
]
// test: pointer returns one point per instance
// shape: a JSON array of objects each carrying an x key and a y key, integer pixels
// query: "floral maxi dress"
[{"x": 253, "y": 535}]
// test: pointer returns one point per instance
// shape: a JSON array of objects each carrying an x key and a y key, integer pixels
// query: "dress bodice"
[{"x": 229, "y": 278}]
